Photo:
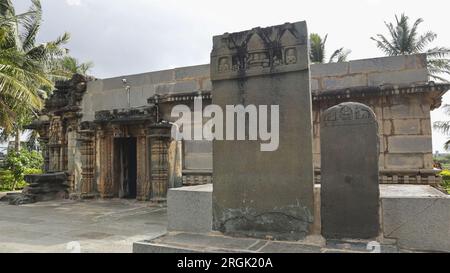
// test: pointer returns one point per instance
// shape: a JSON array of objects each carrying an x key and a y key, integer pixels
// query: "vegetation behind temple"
[
  {"x": 444, "y": 161},
  {"x": 28, "y": 70},
  {"x": 16, "y": 166},
  {"x": 404, "y": 39}
]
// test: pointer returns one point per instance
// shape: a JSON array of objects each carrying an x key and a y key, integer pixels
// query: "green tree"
[
  {"x": 444, "y": 126},
  {"x": 20, "y": 163},
  {"x": 27, "y": 69},
  {"x": 404, "y": 39},
  {"x": 317, "y": 53},
  {"x": 72, "y": 66}
]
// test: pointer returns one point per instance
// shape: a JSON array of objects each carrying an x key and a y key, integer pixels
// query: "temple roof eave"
[
  {"x": 438, "y": 90},
  {"x": 382, "y": 90}
]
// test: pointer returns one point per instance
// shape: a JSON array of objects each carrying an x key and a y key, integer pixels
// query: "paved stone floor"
[
  {"x": 97, "y": 225},
  {"x": 182, "y": 242}
]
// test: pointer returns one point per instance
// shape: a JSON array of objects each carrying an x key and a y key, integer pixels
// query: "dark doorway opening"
[{"x": 125, "y": 167}]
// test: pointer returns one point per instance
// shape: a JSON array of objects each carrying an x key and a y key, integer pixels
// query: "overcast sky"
[{"x": 134, "y": 36}]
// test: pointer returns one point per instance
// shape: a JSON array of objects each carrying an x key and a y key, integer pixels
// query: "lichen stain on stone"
[{"x": 291, "y": 222}]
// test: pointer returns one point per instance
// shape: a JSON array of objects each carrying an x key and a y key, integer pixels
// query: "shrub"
[
  {"x": 446, "y": 179},
  {"x": 17, "y": 166}
]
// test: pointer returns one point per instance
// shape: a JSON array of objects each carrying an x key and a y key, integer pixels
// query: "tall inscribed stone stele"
[
  {"x": 349, "y": 172},
  {"x": 260, "y": 193}
]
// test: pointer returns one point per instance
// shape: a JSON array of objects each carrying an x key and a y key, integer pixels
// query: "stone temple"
[
  {"x": 371, "y": 177},
  {"x": 104, "y": 133}
]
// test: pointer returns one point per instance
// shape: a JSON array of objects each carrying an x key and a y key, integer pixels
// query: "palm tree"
[
  {"x": 404, "y": 39},
  {"x": 73, "y": 66},
  {"x": 444, "y": 126},
  {"x": 26, "y": 69},
  {"x": 317, "y": 53}
]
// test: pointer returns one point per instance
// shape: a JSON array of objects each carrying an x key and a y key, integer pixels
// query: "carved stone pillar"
[
  {"x": 159, "y": 144},
  {"x": 55, "y": 145},
  {"x": 45, "y": 153},
  {"x": 175, "y": 159},
  {"x": 143, "y": 166},
  {"x": 106, "y": 185},
  {"x": 87, "y": 149}
]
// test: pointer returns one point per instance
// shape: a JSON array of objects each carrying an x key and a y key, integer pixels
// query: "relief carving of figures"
[
  {"x": 291, "y": 56},
  {"x": 224, "y": 64},
  {"x": 346, "y": 113},
  {"x": 361, "y": 113},
  {"x": 55, "y": 134},
  {"x": 118, "y": 131},
  {"x": 331, "y": 116},
  {"x": 258, "y": 48},
  {"x": 350, "y": 112}
]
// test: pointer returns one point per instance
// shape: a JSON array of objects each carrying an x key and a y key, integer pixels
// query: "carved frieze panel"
[
  {"x": 348, "y": 114},
  {"x": 56, "y": 131},
  {"x": 260, "y": 51},
  {"x": 68, "y": 94},
  {"x": 125, "y": 115}
]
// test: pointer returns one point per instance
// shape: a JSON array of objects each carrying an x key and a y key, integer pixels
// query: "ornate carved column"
[
  {"x": 106, "y": 187},
  {"x": 87, "y": 150},
  {"x": 55, "y": 144},
  {"x": 43, "y": 140},
  {"x": 175, "y": 159},
  {"x": 143, "y": 165},
  {"x": 159, "y": 144}
]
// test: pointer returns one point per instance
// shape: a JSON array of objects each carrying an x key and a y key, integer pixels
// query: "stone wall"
[
  {"x": 403, "y": 117},
  {"x": 115, "y": 94},
  {"x": 109, "y": 94},
  {"x": 369, "y": 72}
]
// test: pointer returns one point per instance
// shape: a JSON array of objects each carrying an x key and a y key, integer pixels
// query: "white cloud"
[{"x": 73, "y": 2}]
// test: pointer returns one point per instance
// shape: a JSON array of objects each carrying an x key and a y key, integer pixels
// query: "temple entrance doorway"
[{"x": 125, "y": 167}]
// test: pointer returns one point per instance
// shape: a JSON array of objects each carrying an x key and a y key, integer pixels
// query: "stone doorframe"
[
  {"x": 107, "y": 181},
  {"x": 152, "y": 145}
]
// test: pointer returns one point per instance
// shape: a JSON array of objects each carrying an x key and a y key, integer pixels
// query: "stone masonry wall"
[
  {"x": 404, "y": 120},
  {"x": 399, "y": 70}
]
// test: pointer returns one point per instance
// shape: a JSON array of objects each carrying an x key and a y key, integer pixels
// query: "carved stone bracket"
[{"x": 259, "y": 51}]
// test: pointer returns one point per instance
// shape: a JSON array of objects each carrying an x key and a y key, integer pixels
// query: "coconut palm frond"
[
  {"x": 423, "y": 41},
  {"x": 447, "y": 145},
  {"x": 438, "y": 52},
  {"x": 384, "y": 45},
  {"x": 31, "y": 25},
  {"x": 404, "y": 39},
  {"x": 340, "y": 55},
  {"x": 318, "y": 50},
  {"x": 442, "y": 126}
]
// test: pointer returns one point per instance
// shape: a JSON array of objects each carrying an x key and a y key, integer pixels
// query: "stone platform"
[
  {"x": 414, "y": 218},
  {"x": 174, "y": 242},
  {"x": 42, "y": 187},
  {"x": 190, "y": 208}
]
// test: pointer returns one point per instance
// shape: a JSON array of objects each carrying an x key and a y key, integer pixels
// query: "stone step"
[{"x": 182, "y": 242}]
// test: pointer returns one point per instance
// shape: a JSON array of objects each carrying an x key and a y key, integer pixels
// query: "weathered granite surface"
[
  {"x": 184, "y": 242},
  {"x": 42, "y": 187},
  {"x": 350, "y": 186},
  {"x": 257, "y": 193},
  {"x": 418, "y": 223},
  {"x": 190, "y": 209}
]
